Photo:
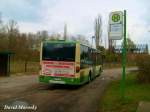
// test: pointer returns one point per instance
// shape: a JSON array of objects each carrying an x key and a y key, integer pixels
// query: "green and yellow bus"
[{"x": 69, "y": 62}]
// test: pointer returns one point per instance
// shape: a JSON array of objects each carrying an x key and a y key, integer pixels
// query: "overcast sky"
[{"x": 50, "y": 15}]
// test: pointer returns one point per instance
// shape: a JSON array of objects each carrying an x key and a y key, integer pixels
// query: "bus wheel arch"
[{"x": 100, "y": 70}]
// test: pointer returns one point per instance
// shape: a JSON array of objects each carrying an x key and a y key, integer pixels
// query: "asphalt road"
[{"x": 27, "y": 91}]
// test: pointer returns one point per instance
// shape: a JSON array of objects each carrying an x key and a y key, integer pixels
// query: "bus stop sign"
[{"x": 115, "y": 25}]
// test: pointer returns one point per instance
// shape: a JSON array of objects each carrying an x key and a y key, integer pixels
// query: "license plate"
[
  {"x": 57, "y": 79},
  {"x": 56, "y": 82}
]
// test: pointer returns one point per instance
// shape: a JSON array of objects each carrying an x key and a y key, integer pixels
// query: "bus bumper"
[{"x": 59, "y": 80}]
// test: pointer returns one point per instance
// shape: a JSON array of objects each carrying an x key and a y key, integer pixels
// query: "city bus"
[{"x": 69, "y": 62}]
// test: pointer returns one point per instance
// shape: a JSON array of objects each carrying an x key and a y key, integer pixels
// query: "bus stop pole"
[{"x": 124, "y": 60}]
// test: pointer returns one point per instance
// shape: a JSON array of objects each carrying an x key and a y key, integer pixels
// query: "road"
[{"x": 27, "y": 91}]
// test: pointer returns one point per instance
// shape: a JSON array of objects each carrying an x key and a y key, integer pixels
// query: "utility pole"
[{"x": 124, "y": 60}]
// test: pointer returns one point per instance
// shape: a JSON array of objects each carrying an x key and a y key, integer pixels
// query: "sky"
[{"x": 79, "y": 15}]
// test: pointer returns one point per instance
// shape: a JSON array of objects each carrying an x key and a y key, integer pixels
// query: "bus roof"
[
  {"x": 60, "y": 41},
  {"x": 68, "y": 41},
  {"x": 65, "y": 41}
]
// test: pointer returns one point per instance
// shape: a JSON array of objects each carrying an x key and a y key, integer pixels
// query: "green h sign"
[{"x": 115, "y": 17}]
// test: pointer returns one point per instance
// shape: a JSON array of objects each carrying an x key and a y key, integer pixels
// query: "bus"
[{"x": 69, "y": 62}]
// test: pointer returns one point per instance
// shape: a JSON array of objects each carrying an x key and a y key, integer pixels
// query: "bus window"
[{"x": 58, "y": 51}]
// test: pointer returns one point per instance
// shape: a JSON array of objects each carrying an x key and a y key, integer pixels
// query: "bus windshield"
[{"x": 58, "y": 51}]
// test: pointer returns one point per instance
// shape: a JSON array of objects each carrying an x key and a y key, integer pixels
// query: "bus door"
[{"x": 93, "y": 64}]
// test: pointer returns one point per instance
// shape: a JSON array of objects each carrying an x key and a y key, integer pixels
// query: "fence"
[{"x": 22, "y": 66}]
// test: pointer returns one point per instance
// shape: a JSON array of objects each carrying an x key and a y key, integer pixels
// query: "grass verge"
[{"x": 135, "y": 93}]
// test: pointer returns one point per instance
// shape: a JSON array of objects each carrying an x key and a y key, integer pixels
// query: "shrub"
[{"x": 143, "y": 63}]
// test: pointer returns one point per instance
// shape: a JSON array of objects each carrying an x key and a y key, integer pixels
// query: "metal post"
[{"x": 124, "y": 60}]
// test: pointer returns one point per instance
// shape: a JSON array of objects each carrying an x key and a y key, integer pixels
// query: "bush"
[{"x": 143, "y": 63}]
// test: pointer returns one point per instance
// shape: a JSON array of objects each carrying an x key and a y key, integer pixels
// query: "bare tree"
[
  {"x": 12, "y": 32},
  {"x": 3, "y": 35},
  {"x": 42, "y": 35},
  {"x": 82, "y": 39},
  {"x": 130, "y": 45},
  {"x": 55, "y": 36},
  {"x": 0, "y": 17},
  {"x": 2, "y": 28},
  {"x": 65, "y": 32},
  {"x": 12, "y": 27},
  {"x": 98, "y": 30}
]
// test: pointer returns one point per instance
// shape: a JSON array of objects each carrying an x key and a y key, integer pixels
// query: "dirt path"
[{"x": 25, "y": 90}]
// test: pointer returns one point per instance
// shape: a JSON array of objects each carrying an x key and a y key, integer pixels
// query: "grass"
[
  {"x": 117, "y": 65},
  {"x": 135, "y": 93}
]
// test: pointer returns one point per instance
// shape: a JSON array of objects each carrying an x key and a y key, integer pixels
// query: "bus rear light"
[{"x": 77, "y": 69}]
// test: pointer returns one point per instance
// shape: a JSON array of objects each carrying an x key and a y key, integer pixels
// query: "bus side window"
[
  {"x": 99, "y": 58},
  {"x": 81, "y": 53},
  {"x": 84, "y": 56},
  {"x": 86, "y": 53}
]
